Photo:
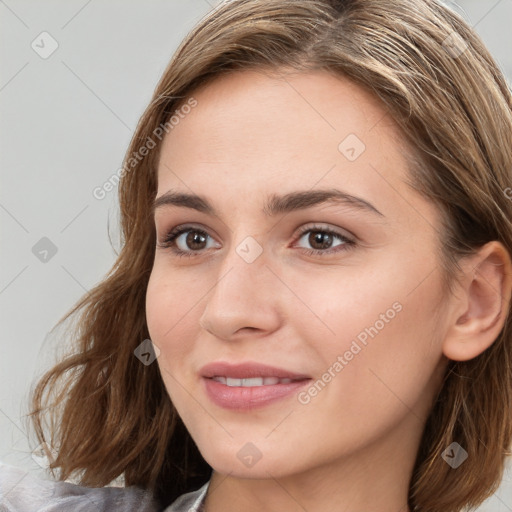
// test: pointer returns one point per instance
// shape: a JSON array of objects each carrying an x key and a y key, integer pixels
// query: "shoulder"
[
  {"x": 21, "y": 491},
  {"x": 190, "y": 502}
]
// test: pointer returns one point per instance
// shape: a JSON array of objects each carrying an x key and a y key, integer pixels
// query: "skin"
[{"x": 354, "y": 443}]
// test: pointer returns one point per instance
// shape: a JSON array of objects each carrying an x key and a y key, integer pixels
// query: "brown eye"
[
  {"x": 320, "y": 239},
  {"x": 195, "y": 240},
  {"x": 323, "y": 241},
  {"x": 186, "y": 241}
]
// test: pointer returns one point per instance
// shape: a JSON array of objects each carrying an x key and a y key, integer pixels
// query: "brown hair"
[{"x": 111, "y": 415}]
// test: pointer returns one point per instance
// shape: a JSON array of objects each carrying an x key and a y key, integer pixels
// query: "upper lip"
[{"x": 247, "y": 370}]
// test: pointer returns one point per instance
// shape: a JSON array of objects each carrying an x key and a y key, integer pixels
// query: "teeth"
[{"x": 252, "y": 382}]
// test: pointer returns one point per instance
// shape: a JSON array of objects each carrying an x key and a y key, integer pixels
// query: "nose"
[{"x": 244, "y": 300}]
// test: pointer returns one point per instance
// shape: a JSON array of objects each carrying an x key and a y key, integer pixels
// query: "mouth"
[
  {"x": 249, "y": 385},
  {"x": 248, "y": 370},
  {"x": 252, "y": 382}
]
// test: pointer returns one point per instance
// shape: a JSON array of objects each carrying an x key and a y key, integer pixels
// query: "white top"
[{"x": 21, "y": 491}]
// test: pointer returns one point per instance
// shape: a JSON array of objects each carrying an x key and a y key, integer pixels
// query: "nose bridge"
[
  {"x": 243, "y": 263},
  {"x": 243, "y": 294}
]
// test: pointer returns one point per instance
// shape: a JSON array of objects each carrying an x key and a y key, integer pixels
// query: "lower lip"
[{"x": 239, "y": 397}]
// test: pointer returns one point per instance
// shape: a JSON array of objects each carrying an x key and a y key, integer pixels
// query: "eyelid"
[
  {"x": 186, "y": 226},
  {"x": 326, "y": 227}
]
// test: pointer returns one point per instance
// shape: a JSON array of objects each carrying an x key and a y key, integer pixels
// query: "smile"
[
  {"x": 251, "y": 382},
  {"x": 250, "y": 393}
]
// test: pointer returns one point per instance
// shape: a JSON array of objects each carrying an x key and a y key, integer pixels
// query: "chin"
[
  {"x": 235, "y": 469},
  {"x": 251, "y": 460}
]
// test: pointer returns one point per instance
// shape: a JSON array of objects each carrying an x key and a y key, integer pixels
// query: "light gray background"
[{"x": 65, "y": 124}]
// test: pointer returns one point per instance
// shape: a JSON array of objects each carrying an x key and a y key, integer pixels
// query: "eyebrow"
[{"x": 292, "y": 201}]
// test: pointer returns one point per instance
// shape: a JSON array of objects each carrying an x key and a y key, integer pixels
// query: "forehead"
[
  {"x": 279, "y": 109},
  {"x": 253, "y": 133}
]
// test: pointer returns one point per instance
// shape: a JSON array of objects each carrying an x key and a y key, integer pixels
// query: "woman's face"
[{"x": 310, "y": 269}]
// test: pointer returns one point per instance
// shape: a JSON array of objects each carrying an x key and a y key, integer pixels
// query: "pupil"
[
  {"x": 194, "y": 238},
  {"x": 318, "y": 237}
]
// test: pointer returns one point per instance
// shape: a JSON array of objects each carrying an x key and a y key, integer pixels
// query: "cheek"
[
  {"x": 167, "y": 322},
  {"x": 376, "y": 336},
  {"x": 169, "y": 313}
]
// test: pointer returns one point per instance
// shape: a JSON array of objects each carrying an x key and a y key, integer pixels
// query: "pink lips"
[
  {"x": 247, "y": 371},
  {"x": 248, "y": 397}
]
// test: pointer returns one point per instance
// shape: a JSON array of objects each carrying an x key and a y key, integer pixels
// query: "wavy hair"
[{"x": 110, "y": 416}]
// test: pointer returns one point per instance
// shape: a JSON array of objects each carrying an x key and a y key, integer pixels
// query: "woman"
[{"x": 311, "y": 307}]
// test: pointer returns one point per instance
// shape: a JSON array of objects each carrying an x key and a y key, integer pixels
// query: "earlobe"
[{"x": 484, "y": 300}]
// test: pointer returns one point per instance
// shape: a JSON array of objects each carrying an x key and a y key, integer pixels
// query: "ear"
[{"x": 482, "y": 303}]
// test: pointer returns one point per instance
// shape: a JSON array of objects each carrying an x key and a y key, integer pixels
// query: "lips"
[
  {"x": 248, "y": 371},
  {"x": 249, "y": 385}
]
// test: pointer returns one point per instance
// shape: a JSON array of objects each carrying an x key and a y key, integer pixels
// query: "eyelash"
[{"x": 169, "y": 241}]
